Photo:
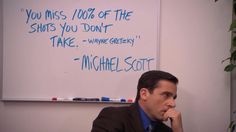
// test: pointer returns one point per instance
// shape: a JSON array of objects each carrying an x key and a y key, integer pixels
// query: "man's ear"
[{"x": 144, "y": 93}]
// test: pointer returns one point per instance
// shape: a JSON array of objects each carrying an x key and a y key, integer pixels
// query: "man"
[{"x": 155, "y": 103}]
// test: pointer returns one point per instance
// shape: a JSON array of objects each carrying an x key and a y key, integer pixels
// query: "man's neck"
[{"x": 141, "y": 104}]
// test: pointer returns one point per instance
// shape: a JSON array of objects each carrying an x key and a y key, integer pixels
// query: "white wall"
[{"x": 194, "y": 40}]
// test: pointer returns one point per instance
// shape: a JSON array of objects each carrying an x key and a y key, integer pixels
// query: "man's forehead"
[
  {"x": 166, "y": 86},
  {"x": 172, "y": 90}
]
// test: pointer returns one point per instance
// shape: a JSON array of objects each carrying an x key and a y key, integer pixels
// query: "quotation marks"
[{"x": 138, "y": 37}]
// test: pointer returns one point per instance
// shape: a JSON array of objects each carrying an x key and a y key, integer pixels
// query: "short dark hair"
[{"x": 150, "y": 79}]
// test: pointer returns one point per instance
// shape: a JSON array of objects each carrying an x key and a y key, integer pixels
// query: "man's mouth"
[{"x": 165, "y": 110}]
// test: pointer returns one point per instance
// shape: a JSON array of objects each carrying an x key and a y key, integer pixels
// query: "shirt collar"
[{"x": 145, "y": 119}]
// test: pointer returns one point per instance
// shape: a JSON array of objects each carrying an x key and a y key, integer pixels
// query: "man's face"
[{"x": 161, "y": 99}]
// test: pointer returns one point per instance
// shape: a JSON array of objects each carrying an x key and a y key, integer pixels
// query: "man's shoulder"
[
  {"x": 124, "y": 118},
  {"x": 114, "y": 110}
]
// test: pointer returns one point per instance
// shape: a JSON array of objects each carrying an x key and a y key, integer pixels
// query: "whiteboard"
[{"x": 78, "y": 48}]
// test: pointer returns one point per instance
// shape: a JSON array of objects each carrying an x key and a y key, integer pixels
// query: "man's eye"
[{"x": 166, "y": 95}]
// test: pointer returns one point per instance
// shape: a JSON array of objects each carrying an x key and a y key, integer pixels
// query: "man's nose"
[{"x": 172, "y": 103}]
